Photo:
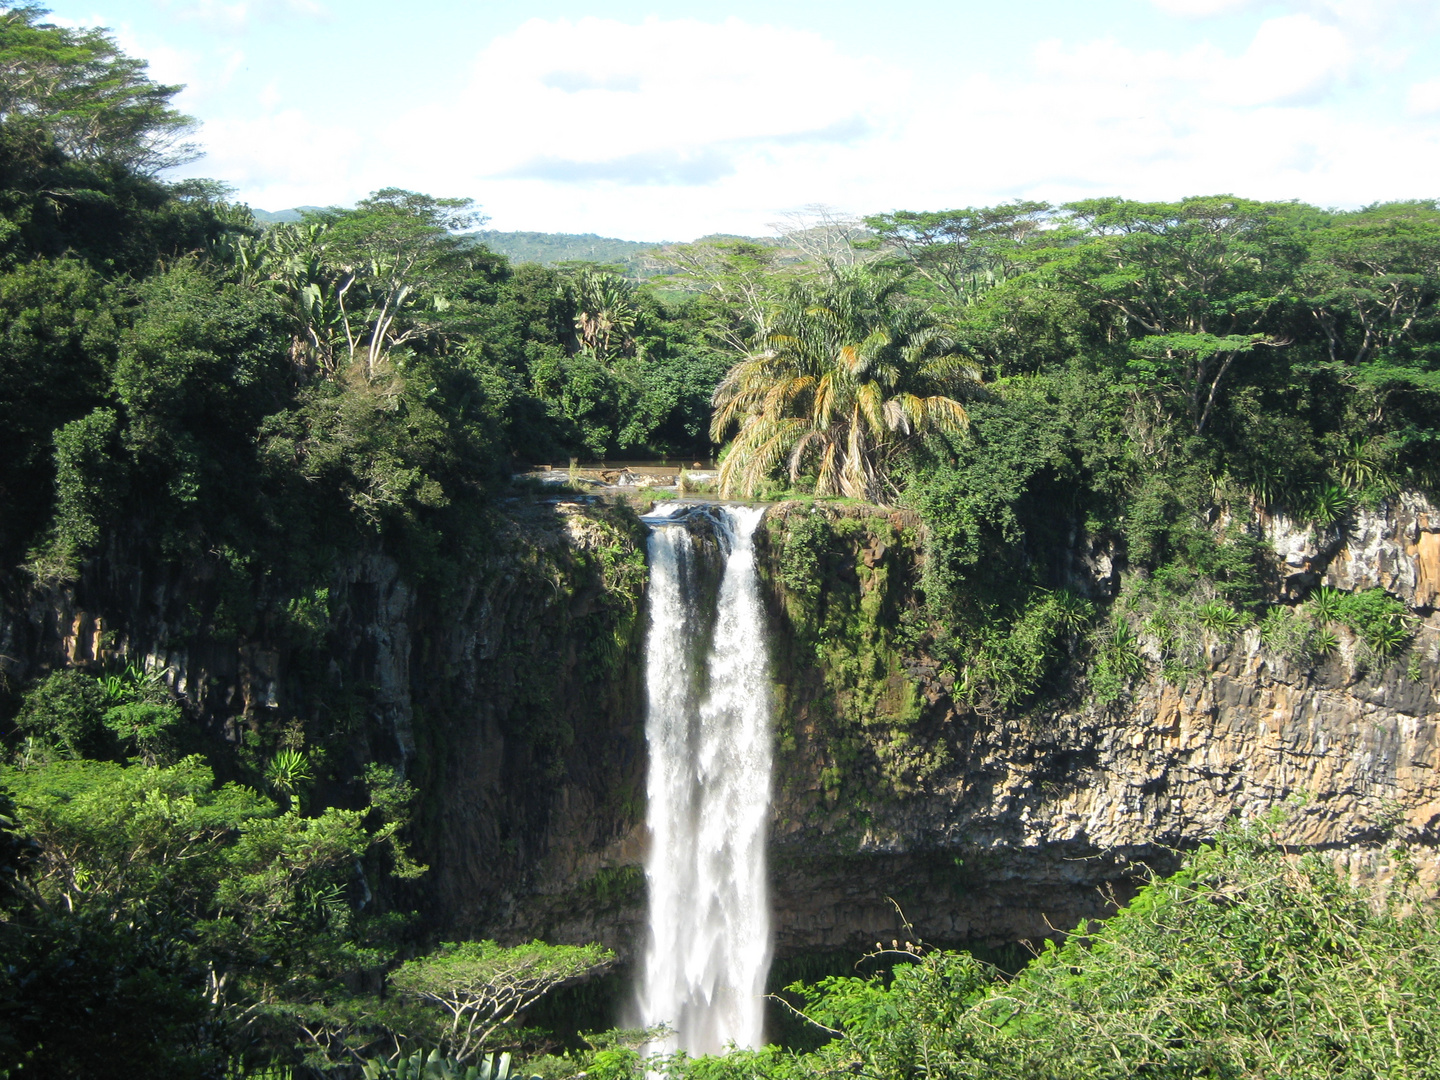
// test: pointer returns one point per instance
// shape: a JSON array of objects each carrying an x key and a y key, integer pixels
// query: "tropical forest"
[{"x": 987, "y": 642}]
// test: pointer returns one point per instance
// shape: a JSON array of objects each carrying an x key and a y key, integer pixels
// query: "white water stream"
[{"x": 708, "y": 728}]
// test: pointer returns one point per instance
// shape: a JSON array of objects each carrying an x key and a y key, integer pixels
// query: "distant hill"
[
  {"x": 549, "y": 248},
  {"x": 546, "y": 248},
  {"x": 282, "y": 217}
]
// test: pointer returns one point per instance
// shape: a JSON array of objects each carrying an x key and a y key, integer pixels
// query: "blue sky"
[{"x": 670, "y": 121}]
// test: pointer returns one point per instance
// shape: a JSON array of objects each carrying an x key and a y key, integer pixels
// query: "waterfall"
[{"x": 708, "y": 729}]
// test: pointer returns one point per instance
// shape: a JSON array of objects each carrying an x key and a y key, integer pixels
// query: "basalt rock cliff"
[
  {"x": 515, "y": 700},
  {"x": 896, "y": 793}
]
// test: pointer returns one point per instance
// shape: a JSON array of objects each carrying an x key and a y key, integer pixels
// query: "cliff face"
[
  {"x": 515, "y": 702},
  {"x": 892, "y": 795},
  {"x": 512, "y": 700},
  {"x": 991, "y": 828}
]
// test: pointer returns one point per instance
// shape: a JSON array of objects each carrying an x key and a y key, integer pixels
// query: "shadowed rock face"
[{"x": 526, "y": 737}]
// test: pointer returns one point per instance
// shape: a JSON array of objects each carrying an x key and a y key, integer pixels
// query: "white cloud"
[
  {"x": 1424, "y": 98},
  {"x": 1293, "y": 59},
  {"x": 1203, "y": 8},
  {"x": 677, "y": 101},
  {"x": 657, "y": 117},
  {"x": 673, "y": 128},
  {"x": 285, "y": 159}
]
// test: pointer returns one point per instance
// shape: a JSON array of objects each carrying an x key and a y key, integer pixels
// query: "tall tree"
[
  {"x": 1191, "y": 287},
  {"x": 92, "y": 99},
  {"x": 1373, "y": 280},
  {"x": 403, "y": 254},
  {"x": 961, "y": 253}
]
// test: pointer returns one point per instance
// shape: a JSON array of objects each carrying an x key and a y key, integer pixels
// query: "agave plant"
[
  {"x": 122, "y": 686},
  {"x": 1125, "y": 650},
  {"x": 1324, "y": 642},
  {"x": 1072, "y": 612},
  {"x": 1327, "y": 504},
  {"x": 1220, "y": 619},
  {"x": 288, "y": 773},
  {"x": 435, "y": 1066},
  {"x": 1387, "y": 638},
  {"x": 1360, "y": 463},
  {"x": 1324, "y": 605}
]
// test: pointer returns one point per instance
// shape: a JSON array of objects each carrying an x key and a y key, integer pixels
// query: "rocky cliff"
[
  {"x": 988, "y": 826},
  {"x": 1012, "y": 826},
  {"x": 515, "y": 702},
  {"x": 511, "y": 698}
]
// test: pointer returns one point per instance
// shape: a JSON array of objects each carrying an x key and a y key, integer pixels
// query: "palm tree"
[{"x": 843, "y": 376}]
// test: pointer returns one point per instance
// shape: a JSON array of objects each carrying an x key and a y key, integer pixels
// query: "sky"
[{"x": 667, "y": 122}]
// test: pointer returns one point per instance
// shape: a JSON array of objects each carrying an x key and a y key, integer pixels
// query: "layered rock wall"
[
  {"x": 515, "y": 703},
  {"x": 1022, "y": 825}
]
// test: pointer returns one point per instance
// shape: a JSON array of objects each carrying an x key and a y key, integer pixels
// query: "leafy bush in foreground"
[{"x": 1248, "y": 962}]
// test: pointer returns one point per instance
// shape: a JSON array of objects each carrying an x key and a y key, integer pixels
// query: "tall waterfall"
[{"x": 708, "y": 729}]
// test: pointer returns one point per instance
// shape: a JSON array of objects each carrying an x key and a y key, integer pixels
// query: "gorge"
[{"x": 988, "y": 828}]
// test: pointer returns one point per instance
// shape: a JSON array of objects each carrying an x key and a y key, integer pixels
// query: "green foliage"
[
  {"x": 309, "y": 616},
  {"x": 197, "y": 373},
  {"x": 149, "y": 728},
  {"x": 1380, "y": 620},
  {"x": 1246, "y": 962},
  {"x": 1324, "y": 605},
  {"x": 961, "y": 254},
  {"x": 1304, "y": 635},
  {"x": 58, "y": 325},
  {"x": 78, "y": 715},
  {"x": 89, "y": 97},
  {"x": 1293, "y": 635},
  {"x": 1220, "y": 619},
  {"x": 986, "y": 496},
  {"x": 212, "y": 886},
  {"x": 82, "y": 995},
  {"x": 1328, "y": 504},
  {"x": 18, "y": 851},
  {"x": 1118, "y": 660},
  {"x": 66, "y": 711},
  {"x": 392, "y": 799},
  {"x": 87, "y": 482},
  {"x": 611, "y": 885},
  {"x": 288, "y": 773},
  {"x": 807, "y": 537},
  {"x": 1011, "y": 663}
]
